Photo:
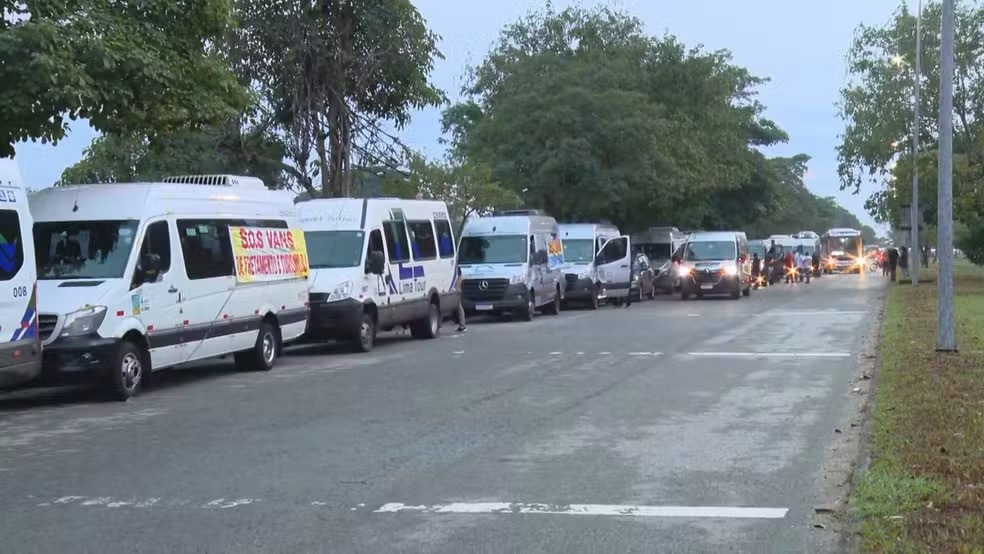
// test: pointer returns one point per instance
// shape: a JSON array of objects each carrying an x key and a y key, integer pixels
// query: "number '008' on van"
[
  {"x": 20, "y": 349},
  {"x": 139, "y": 277},
  {"x": 376, "y": 264}
]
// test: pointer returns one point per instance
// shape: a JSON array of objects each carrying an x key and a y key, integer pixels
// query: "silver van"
[{"x": 715, "y": 263}]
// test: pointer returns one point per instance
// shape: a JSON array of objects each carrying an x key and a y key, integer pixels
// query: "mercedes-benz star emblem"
[{"x": 483, "y": 285}]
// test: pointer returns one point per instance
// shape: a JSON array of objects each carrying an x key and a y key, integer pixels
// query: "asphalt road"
[{"x": 622, "y": 430}]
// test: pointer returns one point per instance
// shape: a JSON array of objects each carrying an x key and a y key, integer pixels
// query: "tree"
[
  {"x": 332, "y": 74},
  {"x": 125, "y": 66},
  {"x": 467, "y": 189},
  {"x": 876, "y": 104},
  {"x": 583, "y": 114}
]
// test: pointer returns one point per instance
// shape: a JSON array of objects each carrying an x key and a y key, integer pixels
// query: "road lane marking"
[
  {"x": 813, "y": 312},
  {"x": 770, "y": 354},
  {"x": 588, "y": 510}
]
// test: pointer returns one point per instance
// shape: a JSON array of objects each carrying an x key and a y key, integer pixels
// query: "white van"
[
  {"x": 586, "y": 280},
  {"x": 715, "y": 263},
  {"x": 512, "y": 262},
  {"x": 378, "y": 263},
  {"x": 20, "y": 349},
  {"x": 140, "y": 277}
]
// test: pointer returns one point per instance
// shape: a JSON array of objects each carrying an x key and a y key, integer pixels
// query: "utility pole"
[
  {"x": 946, "y": 340},
  {"x": 915, "y": 251}
]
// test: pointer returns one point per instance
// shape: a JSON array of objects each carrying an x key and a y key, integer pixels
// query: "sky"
[{"x": 800, "y": 46}]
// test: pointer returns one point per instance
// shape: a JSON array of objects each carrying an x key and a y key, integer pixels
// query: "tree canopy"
[
  {"x": 582, "y": 113},
  {"x": 876, "y": 104},
  {"x": 125, "y": 67}
]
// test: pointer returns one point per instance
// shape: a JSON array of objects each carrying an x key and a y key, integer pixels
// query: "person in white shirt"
[{"x": 803, "y": 264}]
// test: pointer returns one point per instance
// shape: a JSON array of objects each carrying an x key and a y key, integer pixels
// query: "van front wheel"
[
  {"x": 126, "y": 376},
  {"x": 429, "y": 326},
  {"x": 263, "y": 354},
  {"x": 554, "y": 307},
  {"x": 530, "y": 310}
]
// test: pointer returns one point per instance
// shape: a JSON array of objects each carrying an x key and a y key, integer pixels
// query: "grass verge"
[{"x": 924, "y": 488}]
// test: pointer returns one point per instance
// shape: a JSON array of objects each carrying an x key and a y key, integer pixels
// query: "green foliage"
[
  {"x": 125, "y": 66},
  {"x": 215, "y": 150},
  {"x": 877, "y": 106},
  {"x": 583, "y": 114},
  {"x": 330, "y": 72},
  {"x": 468, "y": 189}
]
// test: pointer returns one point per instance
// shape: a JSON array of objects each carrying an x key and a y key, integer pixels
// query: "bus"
[{"x": 842, "y": 251}]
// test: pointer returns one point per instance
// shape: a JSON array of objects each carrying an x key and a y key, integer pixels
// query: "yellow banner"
[{"x": 266, "y": 254}]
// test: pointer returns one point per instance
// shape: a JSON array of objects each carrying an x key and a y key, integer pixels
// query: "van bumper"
[
  {"x": 332, "y": 320},
  {"x": 73, "y": 355},
  {"x": 727, "y": 285},
  {"x": 580, "y": 289},
  {"x": 515, "y": 298}
]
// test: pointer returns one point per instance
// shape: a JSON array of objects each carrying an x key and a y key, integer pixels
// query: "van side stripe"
[
  {"x": 222, "y": 328},
  {"x": 28, "y": 328}
]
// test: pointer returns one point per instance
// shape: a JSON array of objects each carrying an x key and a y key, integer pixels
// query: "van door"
[
  {"x": 615, "y": 266},
  {"x": 20, "y": 354},
  {"x": 154, "y": 294}
]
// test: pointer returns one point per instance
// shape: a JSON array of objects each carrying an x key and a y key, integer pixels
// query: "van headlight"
[
  {"x": 341, "y": 292},
  {"x": 83, "y": 322},
  {"x": 730, "y": 269},
  {"x": 515, "y": 279},
  {"x": 684, "y": 271}
]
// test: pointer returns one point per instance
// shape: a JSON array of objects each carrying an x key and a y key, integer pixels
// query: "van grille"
[
  {"x": 493, "y": 289},
  {"x": 46, "y": 325},
  {"x": 571, "y": 279}
]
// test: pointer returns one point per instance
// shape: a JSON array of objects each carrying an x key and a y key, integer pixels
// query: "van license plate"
[
  {"x": 707, "y": 286},
  {"x": 483, "y": 307}
]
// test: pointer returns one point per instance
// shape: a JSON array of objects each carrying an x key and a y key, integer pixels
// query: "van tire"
[
  {"x": 684, "y": 295},
  {"x": 554, "y": 307},
  {"x": 263, "y": 355},
  {"x": 530, "y": 312},
  {"x": 365, "y": 338},
  {"x": 428, "y": 327},
  {"x": 747, "y": 291},
  {"x": 126, "y": 376},
  {"x": 595, "y": 303}
]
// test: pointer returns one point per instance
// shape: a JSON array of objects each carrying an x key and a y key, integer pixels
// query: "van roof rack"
[{"x": 216, "y": 181}]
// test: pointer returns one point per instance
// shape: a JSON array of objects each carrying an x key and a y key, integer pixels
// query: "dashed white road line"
[
  {"x": 812, "y": 312},
  {"x": 588, "y": 510},
  {"x": 770, "y": 354}
]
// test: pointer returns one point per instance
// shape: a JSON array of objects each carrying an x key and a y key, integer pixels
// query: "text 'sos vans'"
[
  {"x": 20, "y": 348},
  {"x": 512, "y": 262},
  {"x": 378, "y": 263},
  {"x": 139, "y": 277}
]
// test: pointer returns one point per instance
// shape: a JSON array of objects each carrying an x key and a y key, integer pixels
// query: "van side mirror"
[{"x": 375, "y": 263}]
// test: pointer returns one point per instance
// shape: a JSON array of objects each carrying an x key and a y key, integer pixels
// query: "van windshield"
[
  {"x": 328, "y": 249},
  {"x": 502, "y": 249},
  {"x": 579, "y": 250},
  {"x": 83, "y": 249},
  {"x": 712, "y": 250}
]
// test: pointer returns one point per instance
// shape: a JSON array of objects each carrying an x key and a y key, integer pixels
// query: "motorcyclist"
[{"x": 756, "y": 269}]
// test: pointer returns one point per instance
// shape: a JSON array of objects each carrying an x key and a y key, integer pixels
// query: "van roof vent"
[
  {"x": 521, "y": 212},
  {"x": 217, "y": 181}
]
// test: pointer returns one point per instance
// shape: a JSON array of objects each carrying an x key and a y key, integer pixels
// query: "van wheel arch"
[
  {"x": 140, "y": 339},
  {"x": 429, "y": 326}
]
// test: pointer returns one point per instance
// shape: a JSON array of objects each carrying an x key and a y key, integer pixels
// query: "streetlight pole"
[
  {"x": 946, "y": 340},
  {"x": 915, "y": 252}
]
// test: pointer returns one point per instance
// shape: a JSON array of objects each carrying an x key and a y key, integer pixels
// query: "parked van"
[
  {"x": 512, "y": 262},
  {"x": 660, "y": 244},
  {"x": 139, "y": 277},
  {"x": 716, "y": 263},
  {"x": 20, "y": 351},
  {"x": 376, "y": 264},
  {"x": 582, "y": 243}
]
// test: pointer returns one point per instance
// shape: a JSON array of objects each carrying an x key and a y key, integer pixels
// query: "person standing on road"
[
  {"x": 904, "y": 261},
  {"x": 804, "y": 267},
  {"x": 893, "y": 262},
  {"x": 462, "y": 328},
  {"x": 756, "y": 269},
  {"x": 790, "y": 267},
  {"x": 815, "y": 261}
]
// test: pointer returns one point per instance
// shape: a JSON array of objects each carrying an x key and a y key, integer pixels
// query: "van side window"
[
  {"x": 396, "y": 241},
  {"x": 157, "y": 240},
  {"x": 422, "y": 235},
  {"x": 375, "y": 243},
  {"x": 11, "y": 245},
  {"x": 445, "y": 244},
  {"x": 206, "y": 248}
]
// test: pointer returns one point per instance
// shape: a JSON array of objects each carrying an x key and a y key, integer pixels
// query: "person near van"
[
  {"x": 805, "y": 270},
  {"x": 893, "y": 262},
  {"x": 790, "y": 266},
  {"x": 462, "y": 327},
  {"x": 904, "y": 261},
  {"x": 756, "y": 269},
  {"x": 815, "y": 259}
]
